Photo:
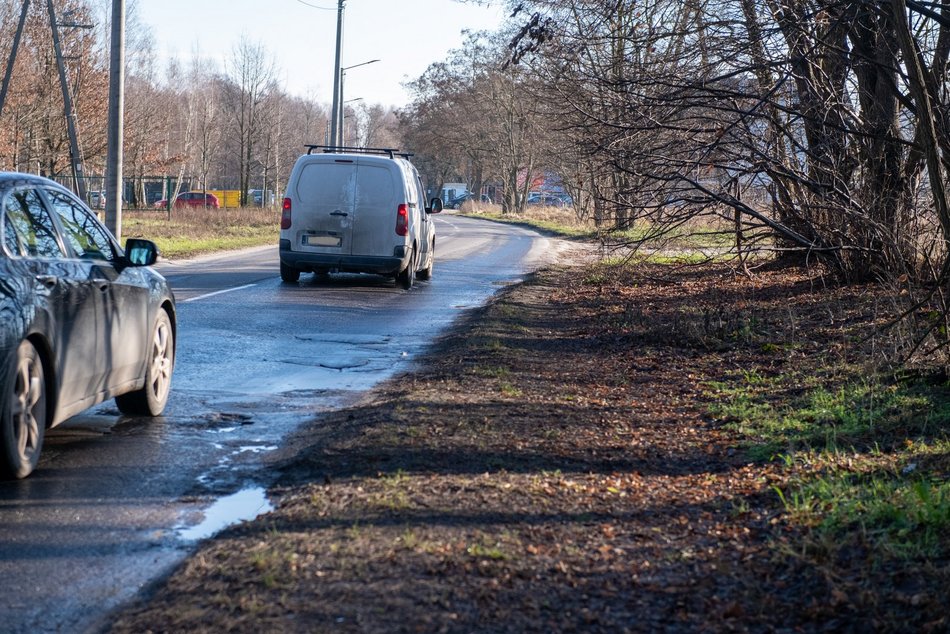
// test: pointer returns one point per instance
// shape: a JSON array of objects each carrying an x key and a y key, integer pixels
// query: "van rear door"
[
  {"x": 326, "y": 194},
  {"x": 374, "y": 223}
]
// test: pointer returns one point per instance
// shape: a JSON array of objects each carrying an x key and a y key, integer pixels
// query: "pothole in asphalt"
[
  {"x": 330, "y": 363},
  {"x": 352, "y": 340},
  {"x": 227, "y": 421},
  {"x": 238, "y": 507},
  {"x": 342, "y": 364}
]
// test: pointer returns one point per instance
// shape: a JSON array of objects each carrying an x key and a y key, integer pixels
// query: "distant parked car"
[
  {"x": 97, "y": 199},
  {"x": 83, "y": 319},
  {"x": 191, "y": 199},
  {"x": 549, "y": 200},
  {"x": 458, "y": 201},
  {"x": 257, "y": 197}
]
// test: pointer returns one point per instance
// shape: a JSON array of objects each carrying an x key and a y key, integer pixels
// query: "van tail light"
[
  {"x": 402, "y": 220},
  {"x": 285, "y": 215}
]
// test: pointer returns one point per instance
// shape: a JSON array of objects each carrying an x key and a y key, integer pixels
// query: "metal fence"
[{"x": 148, "y": 192}]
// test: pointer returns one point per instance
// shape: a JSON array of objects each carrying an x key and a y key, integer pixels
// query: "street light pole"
[
  {"x": 343, "y": 120},
  {"x": 340, "y": 95},
  {"x": 337, "y": 107},
  {"x": 116, "y": 112},
  {"x": 75, "y": 158},
  {"x": 13, "y": 50}
]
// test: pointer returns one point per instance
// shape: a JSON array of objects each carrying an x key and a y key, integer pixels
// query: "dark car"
[
  {"x": 83, "y": 320},
  {"x": 549, "y": 199},
  {"x": 191, "y": 199},
  {"x": 456, "y": 203}
]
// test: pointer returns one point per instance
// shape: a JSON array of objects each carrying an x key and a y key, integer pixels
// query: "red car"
[{"x": 191, "y": 199}]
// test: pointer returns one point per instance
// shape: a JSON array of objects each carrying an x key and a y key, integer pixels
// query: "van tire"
[
  {"x": 288, "y": 273},
  {"x": 408, "y": 275},
  {"x": 426, "y": 273}
]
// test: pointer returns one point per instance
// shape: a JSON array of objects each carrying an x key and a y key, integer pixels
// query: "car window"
[
  {"x": 10, "y": 239},
  {"x": 36, "y": 234},
  {"x": 374, "y": 186},
  {"x": 421, "y": 192},
  {"x": 82, "y": 231},
  {"x": 328, "y": 184}
]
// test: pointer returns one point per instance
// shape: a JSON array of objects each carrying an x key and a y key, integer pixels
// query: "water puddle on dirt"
[{"x": 238, "y": 507}]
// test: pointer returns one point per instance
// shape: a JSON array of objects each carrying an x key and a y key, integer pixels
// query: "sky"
[{"x": 405, "y": 35}]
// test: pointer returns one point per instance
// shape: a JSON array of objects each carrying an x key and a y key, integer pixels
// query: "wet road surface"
[{"x": 118, "y": 502}]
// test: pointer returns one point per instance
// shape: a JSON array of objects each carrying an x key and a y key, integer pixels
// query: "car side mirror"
[
  {"x": 436, "y": 206},
  {"x": 140, "y": 252}
]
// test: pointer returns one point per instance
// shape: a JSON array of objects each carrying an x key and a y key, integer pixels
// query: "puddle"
[
  {"x": 238, "y": 507},
  {"x": 256, "y": 448}
]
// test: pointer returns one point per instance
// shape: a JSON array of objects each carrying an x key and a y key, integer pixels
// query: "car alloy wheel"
[
  {"x": 151, "y": 399},
  {"x": 24, "y": 422}
]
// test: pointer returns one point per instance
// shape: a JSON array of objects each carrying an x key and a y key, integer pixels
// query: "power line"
[{"x": 313, "y": 6}]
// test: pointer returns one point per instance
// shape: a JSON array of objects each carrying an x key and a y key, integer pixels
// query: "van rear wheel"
[
  {"x": 408, "y": 275},
  {"x": 288, "y": 273}
]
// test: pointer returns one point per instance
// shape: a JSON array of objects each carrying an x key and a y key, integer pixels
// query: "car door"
[
  {"x": 121, "y": 293},
  {"x": 375, "y": 206},
  {"x": 427, "y": 227},
  {"x": 65, "y": 299},
  {"x": 324, "y": 206}
]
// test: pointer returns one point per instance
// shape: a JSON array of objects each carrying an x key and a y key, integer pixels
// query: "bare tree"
[{"x": 253, "y": 74}]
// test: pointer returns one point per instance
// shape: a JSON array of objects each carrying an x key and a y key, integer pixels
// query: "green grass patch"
[
  {"x": 565, "y": 227},
  {"x": 686, "y": 257},
  {"x": 491, "y": 372},
  {"x": 485, "y": 548},
  {"x": 895, "y": 514},
  {"x": 509, "y": 390},
  {"x": 860, "y": 414},
  {"x": 867, "y": 459}
]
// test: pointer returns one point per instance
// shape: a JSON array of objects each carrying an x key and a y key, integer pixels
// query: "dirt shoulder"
[{"x": 549, "y": 466}]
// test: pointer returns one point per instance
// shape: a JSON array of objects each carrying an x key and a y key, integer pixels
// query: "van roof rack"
[{"x": 341, "y": 149}]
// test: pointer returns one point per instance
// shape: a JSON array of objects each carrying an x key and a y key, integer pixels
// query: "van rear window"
[
  {"x": 374, "y": 187},
  {"x": 328, "y": 183}
]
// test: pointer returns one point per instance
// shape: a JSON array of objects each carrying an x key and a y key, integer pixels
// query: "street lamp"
[
  {"x": 343, "y": 123},
  {"x": 339, "y": 113},
  {"x": 334, "y": 114}
]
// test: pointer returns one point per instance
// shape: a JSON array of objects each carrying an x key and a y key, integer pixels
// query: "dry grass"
[
  {"x": 553, "y": 466},
  {"x": 187, "y": 232}
]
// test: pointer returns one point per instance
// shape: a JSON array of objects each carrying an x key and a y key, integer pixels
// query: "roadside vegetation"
[
  {"x": 694, "y": 241},
  {"x": 735, "y": 419},
  {"x": 612, "y": 446},
  {"x": 187, "y": 232}
]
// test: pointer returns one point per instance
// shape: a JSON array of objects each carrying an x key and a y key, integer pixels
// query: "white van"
[{"x": 359, "y": 210}]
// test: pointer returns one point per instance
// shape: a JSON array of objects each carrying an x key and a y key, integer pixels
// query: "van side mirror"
[
  {"x": 140, "y": 252},
  {"x": 436, "y": 206}
]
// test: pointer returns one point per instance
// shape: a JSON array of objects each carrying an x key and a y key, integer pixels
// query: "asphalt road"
[{"x": 118, "y": 502}]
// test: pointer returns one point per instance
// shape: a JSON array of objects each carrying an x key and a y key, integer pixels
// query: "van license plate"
[{"x": 322, "y": 241}]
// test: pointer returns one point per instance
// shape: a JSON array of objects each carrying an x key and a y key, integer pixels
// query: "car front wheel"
[
  {"x": 426, "y": 273},
  {"x": 24, "y": 413},
  {"x": 151, "y": 399}
]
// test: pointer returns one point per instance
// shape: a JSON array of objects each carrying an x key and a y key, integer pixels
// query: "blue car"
[{"x": 82, "y": 321}]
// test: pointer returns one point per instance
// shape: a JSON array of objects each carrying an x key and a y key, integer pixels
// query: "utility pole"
[
  {"x": 116, "y": 113},
  {"x": 13, "y": 50},
  {"x": 337, "y": 114},
  {"x": 75, "y": 158}
]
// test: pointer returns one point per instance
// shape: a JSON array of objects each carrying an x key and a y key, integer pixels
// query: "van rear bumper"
[{"x": 346, "y": 263}]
